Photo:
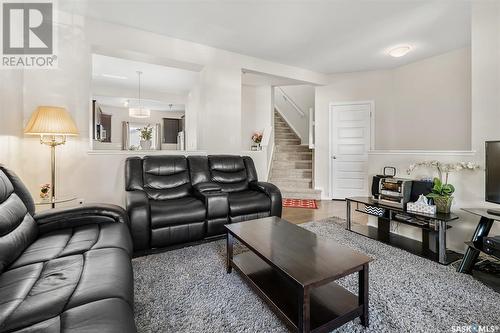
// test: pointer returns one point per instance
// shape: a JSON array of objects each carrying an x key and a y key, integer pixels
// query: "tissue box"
[{"x": 419, "y": 207}]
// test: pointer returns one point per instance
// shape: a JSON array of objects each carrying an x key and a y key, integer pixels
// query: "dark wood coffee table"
[{"x": 293, "y": 270}]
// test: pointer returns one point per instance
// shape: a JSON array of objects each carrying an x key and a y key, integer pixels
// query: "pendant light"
[{"x": 139, "y": 112}]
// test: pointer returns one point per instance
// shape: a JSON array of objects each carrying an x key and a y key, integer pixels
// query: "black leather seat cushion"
[
  {"x": 247, "y": 202},
  {"x": 166, "y": 177},
  {"x": 111, "y": 315},
  {"x": 228, "y": 172},
  {"x": 70, "y": 241},
  {"x": 176, "y": 211},
  {"x": 63, "y": 270},
  {"x": 35, "y": 293}
]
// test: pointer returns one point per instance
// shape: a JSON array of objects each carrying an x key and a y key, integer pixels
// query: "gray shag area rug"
[{"x": 188, "y": 290}]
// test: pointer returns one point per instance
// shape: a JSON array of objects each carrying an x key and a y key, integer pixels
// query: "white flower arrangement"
[
  {"x": 442, "y": 191},
  {"x": 444, "y": 168}
]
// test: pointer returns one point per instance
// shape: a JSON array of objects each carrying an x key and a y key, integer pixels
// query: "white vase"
[{"x": 146, "y": 144}]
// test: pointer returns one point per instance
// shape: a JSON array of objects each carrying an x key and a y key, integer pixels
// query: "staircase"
[{"x": 292, "y": 163}]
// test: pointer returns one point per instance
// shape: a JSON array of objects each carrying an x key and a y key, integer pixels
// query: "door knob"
[{"x": 334, "y": 157}]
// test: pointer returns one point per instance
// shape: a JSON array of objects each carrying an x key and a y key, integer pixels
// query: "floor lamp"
[{"x": 53, "y": 124}]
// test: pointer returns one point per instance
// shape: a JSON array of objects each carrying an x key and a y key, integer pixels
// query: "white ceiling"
[
  {"x": 326, "y": 36},
  {"x": 122, "y": 73}
]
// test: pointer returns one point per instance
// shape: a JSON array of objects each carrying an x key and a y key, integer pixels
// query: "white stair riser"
[
  {"x": 291, "y": 148},
  {"x": 291, "y": 173},
  {"x": 303, "y": 180},
  {"x": 293, "y": 157},
  {"x": 285, "y": 136},
  {"x": 287, "y": 141},
  {"x": 292, "y": 165},
  {"x": 297, "y": 185}
]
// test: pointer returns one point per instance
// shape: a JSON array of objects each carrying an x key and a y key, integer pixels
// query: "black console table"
[
  {"x": 475, "y": 246},
  {"x": 433, "y": 244}
]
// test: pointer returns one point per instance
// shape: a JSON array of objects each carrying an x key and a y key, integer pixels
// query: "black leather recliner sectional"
[
  {"x": 63, "y": 270},
  {"x": 176, "y": 199}
]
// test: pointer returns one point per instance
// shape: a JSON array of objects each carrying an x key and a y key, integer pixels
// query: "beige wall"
[
  {"x": 412, "y": 104},
  {"x": 213, "y": 110},
  {"x": 482, "y": 123},
  {"x": 411, "y": 101},
  {"x": 303, "y": 97},
  {"x": 428, "y": 95},
  {"x": 485, "y": 58},
  {"x": 256, "y": 112}
]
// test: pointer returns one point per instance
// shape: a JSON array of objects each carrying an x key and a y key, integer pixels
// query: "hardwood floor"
[{"x": 326, "y": 209}]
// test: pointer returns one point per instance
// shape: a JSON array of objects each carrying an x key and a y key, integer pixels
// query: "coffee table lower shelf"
[{"x": 330, "y": 305}]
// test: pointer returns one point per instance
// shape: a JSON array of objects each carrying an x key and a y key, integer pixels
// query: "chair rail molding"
[{"x": 422, "y": 152}]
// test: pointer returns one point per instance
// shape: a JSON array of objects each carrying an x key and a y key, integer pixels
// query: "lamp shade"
[
  {"x": 139, "y": 112},
  {"x": 51, "y": 120}
]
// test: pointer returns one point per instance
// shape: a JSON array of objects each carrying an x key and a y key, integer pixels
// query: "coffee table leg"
[
  {"x": 229, "y": 246},
  {"x": 304, "y": 324},
  {"x": 363, "y": 295}
]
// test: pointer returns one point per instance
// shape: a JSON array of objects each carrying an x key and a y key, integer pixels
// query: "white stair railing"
[
  {"x": 312, "y": 126},
  {"x": 291, "y": 102}
]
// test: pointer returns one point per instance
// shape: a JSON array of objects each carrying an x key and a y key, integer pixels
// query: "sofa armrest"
[
  {"x": 273, "y": 192},
  {"x": 216, "y": 201},
  {"x": 207, "y": 187},
  {"x": 54, "y": 219},
  {"x": 139, "y": 213}
]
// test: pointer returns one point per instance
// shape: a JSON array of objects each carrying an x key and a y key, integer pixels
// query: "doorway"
[{"x": 351, "y": 138}]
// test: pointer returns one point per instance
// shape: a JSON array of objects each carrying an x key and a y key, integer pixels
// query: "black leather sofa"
[
  {"x": 63, "y": 270},
  {"x": 176, "y": 199}
]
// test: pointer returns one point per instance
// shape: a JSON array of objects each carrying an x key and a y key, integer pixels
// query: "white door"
[{"x": 350, "y": 140}]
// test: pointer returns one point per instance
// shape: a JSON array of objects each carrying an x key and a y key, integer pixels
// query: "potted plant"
[
  {"x": 257, "y": 138},
  {"x": 442, "y": 191},
  {"x": 442, "y": 195},
  {"x": 146, "y": 134},
  {"x": 44, "y": 191}
]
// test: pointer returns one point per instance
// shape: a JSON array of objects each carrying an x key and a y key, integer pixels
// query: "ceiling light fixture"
[
  {"x": 399, "y": 51},
  {"x": 139, "y": 112}
]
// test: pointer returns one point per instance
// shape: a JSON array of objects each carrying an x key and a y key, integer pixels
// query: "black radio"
[
  {"x": 389, "y": 172},
  {"x": 418, "y": 187}
]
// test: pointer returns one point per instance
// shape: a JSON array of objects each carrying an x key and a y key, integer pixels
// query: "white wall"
[
  {"x": 303, "y": 97},
  {"x": 213, "y": 110},
  {"x": 11, "y": 123},
  {"x": 412, "y": 104},
  {"x": 256, "y": 112}
]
